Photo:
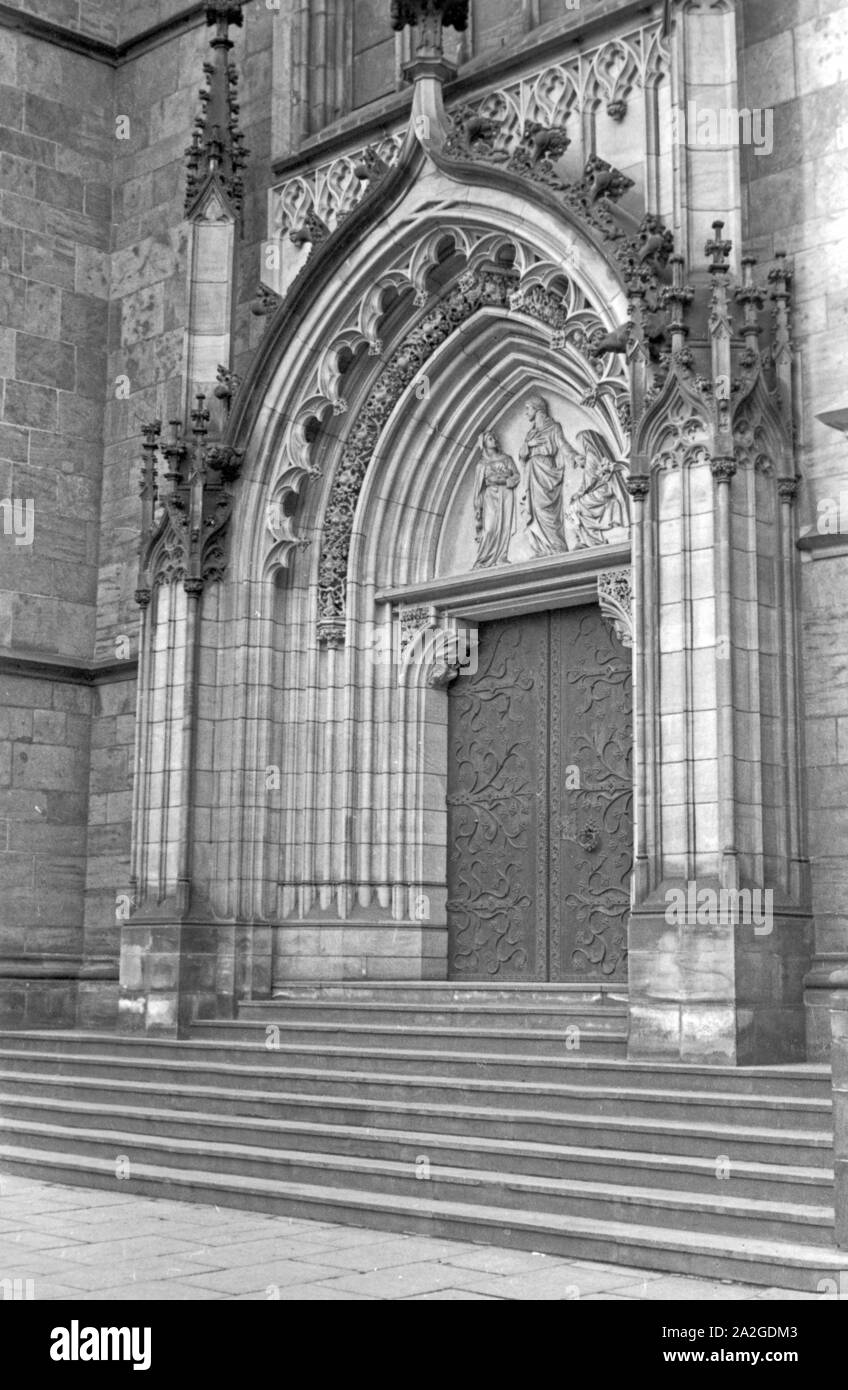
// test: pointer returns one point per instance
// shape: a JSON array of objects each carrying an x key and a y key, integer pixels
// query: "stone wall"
[
  {"x": 796, "y": 199},
  {"x": 55, "y": 173}
]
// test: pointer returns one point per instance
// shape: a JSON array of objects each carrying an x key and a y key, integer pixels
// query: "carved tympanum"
[{"x": 561, "y": 495}]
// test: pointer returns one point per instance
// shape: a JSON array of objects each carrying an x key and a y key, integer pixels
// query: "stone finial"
[
  {"x": 185, "y": 515},
  {"x": 217, "y": 143},
  {"x": 718, "y": 249}
]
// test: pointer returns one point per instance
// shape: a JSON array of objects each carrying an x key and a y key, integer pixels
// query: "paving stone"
[
  {"x": 403, "y": 1282},
  {"x": 120, "y": 1251},
  {"x": 278, "y": 1273},
  {"x": 376, "y": 1255},
  {"x": 453, "y": 1295},
  {"x": 505, "y": 1261},
  {"x": 261, "y": 1252},
  {"x": 789, "y": 1295},
  {"x": 27, "y": 1239},
  {"x": 300, "y": 1293},
  {"x": 674, "y": 1287},
  {"x": 561, "y": 1282},
  {"x": 156, "y": 1293}
]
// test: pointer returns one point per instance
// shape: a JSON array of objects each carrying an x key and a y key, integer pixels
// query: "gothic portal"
[{"x": 476, "y": 629}]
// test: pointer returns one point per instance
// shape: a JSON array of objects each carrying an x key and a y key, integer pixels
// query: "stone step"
[
  {"x": 773, "y": 1182},
  {"x": 697, "y": 1212},
  {"x": 458, "y": 1017},
  {"x": 460, "y": 1080},
  {"x": 408, "y": 1037},
  {"x": 472, "y": 993},
  {"x": 677, "y": 1135},
  {"x": 804, "y": 1080},
  {"x": 717, "y": 1256}
]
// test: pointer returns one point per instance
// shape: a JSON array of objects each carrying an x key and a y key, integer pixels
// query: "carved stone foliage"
[
  {"x": 527, "y": 118},
  {"x": 429, "y": 17},
  {"x": 332, "y": 190},
  {"x": 187, "y": 498},
  {"x": 486, "y": 287},
  {"x": 722, "y": 399},
  {"x": 642, "y": 254},
  {"x": 615, "y": 595},
  {"x": 605, "y": 76}
]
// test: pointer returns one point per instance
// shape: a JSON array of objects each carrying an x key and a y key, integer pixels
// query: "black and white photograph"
[{"x": 424, "y": 666}]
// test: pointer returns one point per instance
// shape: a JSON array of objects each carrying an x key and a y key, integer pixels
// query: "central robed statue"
[{"x": 550, "y": 470}]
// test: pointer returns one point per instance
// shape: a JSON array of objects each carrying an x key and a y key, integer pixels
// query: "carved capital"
[
  {"x": 430, "y": 17},
  {"x": 639, "y": 486},
  {"x": 331, "y": 632},
  {"x": 723, "y": 469},
  {"x": 615, "y": 596},
  {"x": 787, "y": 489}
]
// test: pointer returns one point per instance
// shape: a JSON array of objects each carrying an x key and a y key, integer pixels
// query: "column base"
[
  {"x": 175, "y": 972},
  {"x": 826, "y": 991},
  {"x": 718, "y": 994}
]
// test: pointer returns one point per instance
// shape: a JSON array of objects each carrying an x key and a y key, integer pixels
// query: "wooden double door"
[{"x": 540, "y": 826}]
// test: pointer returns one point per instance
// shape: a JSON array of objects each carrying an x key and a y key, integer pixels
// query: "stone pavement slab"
[
  {"x": 75, "y": 1244},
  {"x": 247, "y": 1278}
]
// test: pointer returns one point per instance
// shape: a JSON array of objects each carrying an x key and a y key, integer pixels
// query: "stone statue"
[
  {"x": 600, "y": 507},
  {"x": 495, "y": 482},
  {"x": 550, "y": 471}
]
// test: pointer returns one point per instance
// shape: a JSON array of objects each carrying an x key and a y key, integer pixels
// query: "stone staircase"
[{"x": 503, "y": 1115}]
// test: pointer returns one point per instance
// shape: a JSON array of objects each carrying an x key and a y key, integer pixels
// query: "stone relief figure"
[
  {"x": 550, "y": 472},
  {"x": 600, "y": 506},
  {"x": 495, "y": 482}
]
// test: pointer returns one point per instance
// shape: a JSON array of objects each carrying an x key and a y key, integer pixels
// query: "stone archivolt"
[
  {"x": 498, "y": 272},
  {"x": 484, "y": 286}
]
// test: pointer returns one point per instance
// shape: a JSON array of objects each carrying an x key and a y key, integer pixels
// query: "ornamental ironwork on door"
[{"x": 540, "y": 802}]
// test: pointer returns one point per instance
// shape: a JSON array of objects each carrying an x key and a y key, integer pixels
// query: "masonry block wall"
[
  {"x": 796, "y": 199},
  {"x": 55, "y": 214}
]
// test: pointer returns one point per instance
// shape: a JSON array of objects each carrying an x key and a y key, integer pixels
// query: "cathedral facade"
[{"x": 425, "y": 545}]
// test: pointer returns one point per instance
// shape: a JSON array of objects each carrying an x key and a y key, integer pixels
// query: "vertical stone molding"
[
  {"x": 705, "y": 93},
  {"x": 215, "y": 161}
]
